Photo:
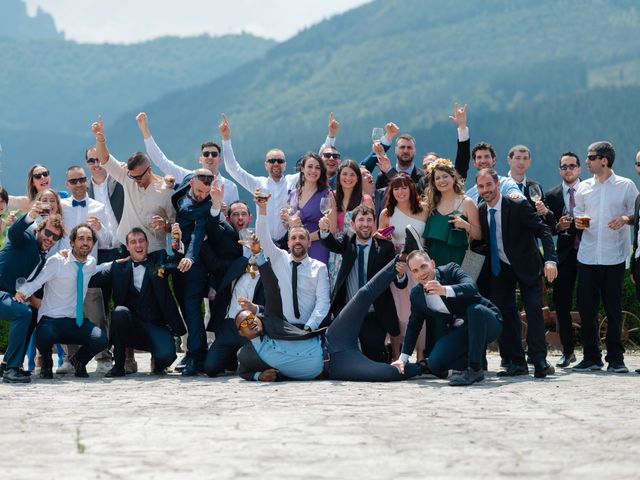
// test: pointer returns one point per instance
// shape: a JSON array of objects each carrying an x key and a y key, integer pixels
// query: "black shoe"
[
  {"x": 115, "y": 372},
  {"x": 46, "y": 373},
  {"x": 468, "y": 377},
  {"x": 514, "y": 370},
  {"x": 192, "y": 369},
  {"x": 81, "y": 368},
  {"x": 617, "y": 366},
  {"x": 638, "y": 370},
  {"x": 412, "y": 240},
  {"x": 566, "y": 360},
  {"x": 3, "y": 368},
  {"x": 14, "y": 375},
  {"x": 588, "y": 366},
  {"x": 181, "y": 364},
  {"x": 425, "y": 370},
  {"x": 543, "y": 370},
  {"x": 504, "y": 363}
]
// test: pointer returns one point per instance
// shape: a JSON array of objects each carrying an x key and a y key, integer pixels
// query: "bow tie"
[
  {"x": 76, "y": 203},
  {"x": 143, "y": 263}
]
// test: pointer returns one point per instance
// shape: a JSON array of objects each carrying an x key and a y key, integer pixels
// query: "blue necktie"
[
  {"x": 79, "y": 292},
  {"x": 521, "y": 187},
  {"x": 78, "y": 203},
  {"x": 362, "y": 276},
  {"x": 493, "y": 241}
]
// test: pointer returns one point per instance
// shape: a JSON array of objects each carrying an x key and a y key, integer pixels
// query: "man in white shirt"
[
  {"x": 304, "y": 282},
  {"x": 210, "y": 159},
  {"x": 60, "y": 316},
  {"x": 604, "y": 210}
]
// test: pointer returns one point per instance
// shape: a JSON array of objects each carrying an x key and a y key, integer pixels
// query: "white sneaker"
[
  {"x": 66, "y": 367},
  {"x": 36, "y": 371},
  {"x": 103, "y": 366},
  {"x": 130, "y": 366}
]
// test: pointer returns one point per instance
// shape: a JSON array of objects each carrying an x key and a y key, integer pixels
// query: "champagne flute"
[
  {"x": 452, "y": 217},
  {"x": 326, "y": 205},
  {"x": 376, "y": 134},
  {"x": 535, "y": 193},
  {"x": 567, "y": 216}
]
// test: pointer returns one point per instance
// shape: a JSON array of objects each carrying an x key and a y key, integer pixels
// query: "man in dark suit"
[
  {"x": 23, "y": 257},
  {"x": 362, "y": 257},
  {"x": 511, "y": 228},
  {"x": 561, "y": 202},
  {"x": 447, "y": 294},
  {"x": 145, "y": 315}
]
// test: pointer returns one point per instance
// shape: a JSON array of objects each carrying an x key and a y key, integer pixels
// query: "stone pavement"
[{"x": 571, "y": 425}]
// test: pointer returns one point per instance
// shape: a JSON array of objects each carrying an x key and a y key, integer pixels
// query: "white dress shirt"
[
  {"x": 603, "y": 202},
  {"x": 59, "y": 277},
  {"x": 73, "y": 216},
  {"x": 313, "y": 281},
  {"x": 353, "y": 280},
  {"x": 101, "y": 194},
  {"x": 170, "y": 168},
  {"x": 245, "y": 286}
]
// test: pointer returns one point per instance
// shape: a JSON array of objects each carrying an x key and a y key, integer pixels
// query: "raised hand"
[
  {"x": 334, "y": 126},
  {"x": 224, "y": 128},
  {"x": 143, "y": 124},
  {"x": 217, "y": 194},
  {"x": 98, "y": 129},
  {"x": 459, "y": 116},
  {"x": 391, "y": 130},
  {"x": 384, "y": 164}
]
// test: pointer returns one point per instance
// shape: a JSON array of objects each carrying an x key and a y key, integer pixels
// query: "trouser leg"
[
  {"x": 612, "y": 302},
  {"x": 503, "y": 296},
  {"x": 372, "y": 336},
  {"x": 484, "y": 326},
  {"x": 20, "y": 318},
  {"x": 94, "y": 310},
  {"x": 190, "y": 287},
  {"x": 532, "y": 300},
  {"x": 589, "y": 281},
  {"x": 563, "y": 299}
]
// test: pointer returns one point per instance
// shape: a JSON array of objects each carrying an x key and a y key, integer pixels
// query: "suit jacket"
[
  {"x": 116, "y": 197},
  {"x": 379, "y": 200},
  {"x": 466, "y": 294},
  {"x": 120, "y": 276},
  {"x": 636, "y": 213},
  {"x": 565, "y": 243},
  {"x": 383, "y": 179},
  {"x": 380, "y": 254},
  {"x": 20, "y": 255},
  {"x": 220, "y": 249},
  {"x": 192, "y": 217},
  {"x": 521, "y": 225}
]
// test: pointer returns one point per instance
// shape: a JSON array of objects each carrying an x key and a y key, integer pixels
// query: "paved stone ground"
[{"x": 571, "y": 425}]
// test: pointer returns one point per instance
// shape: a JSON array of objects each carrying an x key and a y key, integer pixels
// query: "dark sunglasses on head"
[
  {"x": 212, "y": 154},
  {"x": 275, "y": 160},
  {"x": 591, "y": 158},
  {"x": 335, "y": 156},
  {"x": 75, "y": 181},
  {"x": 50, "y": 234},
  {"x": 248, "y": 320},
  {"x": 38, "y": 176},
  {"x": 569, "y": 167},
  {"x": 206, "y": 179},
  {"x": 138, "y": 177},
  {"x": 92, "y": 161}
]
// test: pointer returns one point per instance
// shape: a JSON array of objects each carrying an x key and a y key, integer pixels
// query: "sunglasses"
[
  {"x": 138, "y": 177},
  {"x": 207, "y": 154},
  {"x": 335, "y": 156},
  {"x": 93, "y": 161},
  {"x": 591, "y": 158},
  {"x": 75, "y": 181},
  {"x": 249, "y": 320},
  {"x": 206, "y": 179},
  {"x": 50, "y": 234},
  {"x": 279, "y": 161},
  {"x": 637, "y": 164},
  {"x": 38, "y": 176},
  {"x": 569, "y": 167}
]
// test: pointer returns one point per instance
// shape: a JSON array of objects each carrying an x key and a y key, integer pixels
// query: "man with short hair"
[
  {"x": 562, "y": 201},
  {"x": 60, "y": 316},
  {"x": 604, "y": 210},
  {"x": 447, "y": 294},
  {"x": 22, "y": 257},
  {"x": 484, "y": 156}
]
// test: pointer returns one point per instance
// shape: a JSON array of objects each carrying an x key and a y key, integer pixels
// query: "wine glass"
[
  {"x": 376, "y": 134},
  {"x": 535, "y": 193},
  {"x": 566, "y": 214},
  {"x": 263, "y": 194},
  {"x": 325, "y": 205},
  {"x": 452, "y": 216}
]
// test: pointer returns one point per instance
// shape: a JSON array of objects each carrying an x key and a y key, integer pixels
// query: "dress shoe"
[
  {"x": 192, "y": 369},
  {"x": 566, "y": 360},
  {"x": 116, "y": 372},
  {"x": 638, "y": 370},
  {"x": 46, "y": 373},
  {"x": 468, "y": 377},
  {"x": 181, "y": 364},
  {"x": 588, "y": 366},
  {"x": 412, "y": 240},
  {"x": 617, "y": 366},
  {"x": 425, "y": 370},
  {"x": 3, "y": 367},
  {"x": 543, "y": 370},
  {"x": 514, "y": 370},
  {"x": 505, "y": 362},
  {"x": 14, "y": 375},
  {"x": 66, "y": 367},
  {"x": 80, "y": 368}
]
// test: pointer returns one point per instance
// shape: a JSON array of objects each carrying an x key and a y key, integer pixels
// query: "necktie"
[
  {"x": 138, "y": 264},
  {"x": 294, "y": 285},
  {"x": 493, "y": 241},
  {"x": 78, "y": 203},
  {"x": 362, "y": 276},
  {"x": 79, "y": 293},
  {"x": 572, "y": 200},
  {"x": 521, "y": 186}
]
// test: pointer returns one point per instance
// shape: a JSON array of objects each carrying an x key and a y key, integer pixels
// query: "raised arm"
[
  {"x": 249, "y": 182},
  {"x": 270, "y": 249},
  {"x": 463, "y": 151},
  {"x": 110, "y": 164},
  {"x": 334, "y": 127},
  {"x": 371, "y": 160},
  {"x": 157, "y": 156}
]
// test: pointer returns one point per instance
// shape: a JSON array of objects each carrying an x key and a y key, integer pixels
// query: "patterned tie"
[
  {"x": 79, "y": 291},
  {"x": 572, "y": 200},
  {"x": 493, "y": 241},
  {"x": 362, "y": 276},
  {"x": 294, "y": 285}
]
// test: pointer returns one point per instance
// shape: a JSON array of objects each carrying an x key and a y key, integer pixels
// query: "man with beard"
[
  {"x": 304, "y": 281},
  {"x": 60, "y": 316},
  {"x": 362, "y": 257}
]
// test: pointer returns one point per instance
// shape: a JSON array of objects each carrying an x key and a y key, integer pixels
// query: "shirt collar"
[
  {"x": 408, "y": 171},
  {"x": 498, "y": 206},
  {"x": 367, "y": 243},
  {"x": 523, "y": 182},
  {"x": 565, "y": 187}
]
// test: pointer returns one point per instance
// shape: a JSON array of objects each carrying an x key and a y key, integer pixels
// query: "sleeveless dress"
[{"x": 310, "y": 215}]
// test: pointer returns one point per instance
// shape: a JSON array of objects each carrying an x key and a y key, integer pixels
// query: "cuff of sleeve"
[
  {"x": 449, "y": 291},
  {"x": 324, "y": 233},
  {"x": 256, "y": 376},
  {"x": 329, "y": 141},
  {"x": 28, "y": 220},
  {"x": 401, "y": 278},
  {"x": 215, "y": 212},
  {"x": 385, "y": 141},
  {"x": 550, "y": 262},
  {"x": 261, "y": 259},
  {"x": 404, "y": 357},
  {"x": 463, "y": 134}
]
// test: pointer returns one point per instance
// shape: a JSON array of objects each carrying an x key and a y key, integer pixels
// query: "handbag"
[{"x": 472, "y": 262}]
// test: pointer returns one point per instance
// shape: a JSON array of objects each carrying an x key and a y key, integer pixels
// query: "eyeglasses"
[
  {"x": 38, "y": 176},
  {"x": 93, "y": 161},
  {"x": 335, "y": 156},
  {"x": 208, "y": 154},
  {"x": 279, "y": 161},
  {"x": 591, "y": 158},
  {"x": 138, "y": 177},
  {"x": 75, "y": 181},
  {"x": 248, "y": 320},
  {"x": 50, "y": 234},
  {"x": 569, "y": 167},
  {"x": 206, "y": 179}
]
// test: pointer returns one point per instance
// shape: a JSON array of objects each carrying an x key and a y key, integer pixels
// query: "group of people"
[{"x": 344, "y": 277}]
